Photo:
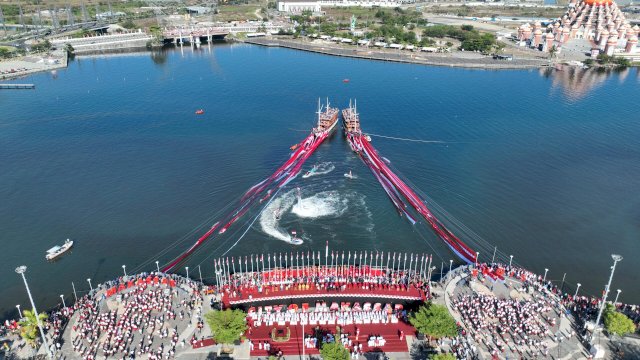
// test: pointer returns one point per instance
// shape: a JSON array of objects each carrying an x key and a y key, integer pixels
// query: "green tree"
[
  {"x": 445, "y": 356},
  {"x": 434, "y": 321},
  {"x": 128, "y": 24},
  {"x": 227, "y": 326},
  {"x": 617, "y": 323},
  {"x": 334, "y": 351},
  {"x": 29, "y": 327}
]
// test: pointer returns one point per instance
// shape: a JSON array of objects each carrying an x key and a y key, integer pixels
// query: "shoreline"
[
  {"x": 31, "y": 66},
  {"x": 419, "y": 58}
]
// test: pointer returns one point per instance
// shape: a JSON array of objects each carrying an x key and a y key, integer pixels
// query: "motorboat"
[
  {"x": 310, "y": 172},
  {"x": 294, "y": 146},
  {"x": 295, "y": 240},
  {"x": 199, "y": 112},
  {"x": 58, "y": 250}
]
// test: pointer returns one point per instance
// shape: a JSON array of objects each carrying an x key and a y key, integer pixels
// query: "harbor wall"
[{"x": 400, "y": 55}]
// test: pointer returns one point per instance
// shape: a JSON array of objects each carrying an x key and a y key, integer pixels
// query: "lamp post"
[
  {"x": 510, "y": 260},
  {"x": 187, "y": 268},
  {"x": 63, "y": 304},
  {"x": 200, "y": 272},
  {"x": 618, "y": 294},
  {"x": 89, "y": 281},
  {"x": 578, "y": 288},
  {"x": 545, "y": 275},
  {"x": 477, "y": 255},
  {"x": 21, "y": 270},
  {"x": 158, "y": 265},
  {"x": 124, "y": 269},
  {"x": 19, "y": 312},
  {"x": 615, "y": 258},
  {"x": 450, "y": 264},
  {"x": 75, "y": 296}
]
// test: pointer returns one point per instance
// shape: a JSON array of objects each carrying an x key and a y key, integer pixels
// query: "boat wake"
[
  {"x": 270, "y": 217},
  {"x": 325, "y": 204},
  {"x": 320, "y": 169},
  {"x": 322, "y": 204}
]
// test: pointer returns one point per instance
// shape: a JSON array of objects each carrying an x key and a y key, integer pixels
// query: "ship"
[
  {"x": 327, "y": 119},
  {"x": 58, "y": 250},
  {"x": 351, "y": 124}
]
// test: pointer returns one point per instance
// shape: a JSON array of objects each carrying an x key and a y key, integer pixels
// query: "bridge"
[{"x": 194, "y": 35}]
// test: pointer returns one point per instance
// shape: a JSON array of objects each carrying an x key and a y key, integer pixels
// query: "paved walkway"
[{"x": 563, "y": 345}]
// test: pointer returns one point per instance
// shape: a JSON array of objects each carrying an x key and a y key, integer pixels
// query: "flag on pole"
[{"x": 326, "y": 250}]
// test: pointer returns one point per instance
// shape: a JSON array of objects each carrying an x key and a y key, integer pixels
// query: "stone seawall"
[{"x": 465, "y": 60}]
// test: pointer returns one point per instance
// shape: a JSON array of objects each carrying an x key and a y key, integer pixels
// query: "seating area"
[{"x": 335, "y": 314}]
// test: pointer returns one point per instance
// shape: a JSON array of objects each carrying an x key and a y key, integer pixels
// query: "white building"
[{"x": 297, "y": 7}]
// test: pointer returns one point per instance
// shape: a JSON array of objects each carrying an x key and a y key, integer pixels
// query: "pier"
[{"x": 17, "y": 86}]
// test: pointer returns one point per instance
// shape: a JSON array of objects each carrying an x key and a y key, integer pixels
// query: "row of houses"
[{"x": 379, "y": 44}]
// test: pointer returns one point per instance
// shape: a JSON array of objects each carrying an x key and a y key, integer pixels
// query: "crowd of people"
[
  {"x": 499, "y": 322},
  {"x": 243, "y": 285},
  {"x": 144, "y": 322},
  {"x": 585, "y": 308}
]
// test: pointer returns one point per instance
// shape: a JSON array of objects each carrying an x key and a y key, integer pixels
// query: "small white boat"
[
  {"x": 310, "y": 172},
  {"x": 58, "y": 250},
  {"x": 294, "y": 239}
]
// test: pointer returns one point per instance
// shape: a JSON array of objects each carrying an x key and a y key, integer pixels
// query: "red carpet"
[
  {"x": 294, "y": 346},
  {"x": 204, "y": 343}
]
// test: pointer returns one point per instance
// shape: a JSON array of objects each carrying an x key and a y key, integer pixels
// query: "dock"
[{"x": 17, "y": 86}]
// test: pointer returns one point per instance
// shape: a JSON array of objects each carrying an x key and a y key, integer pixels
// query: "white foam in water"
[
  {"x": 268, "y": 222},
  {"x": 326, "y": 203}
]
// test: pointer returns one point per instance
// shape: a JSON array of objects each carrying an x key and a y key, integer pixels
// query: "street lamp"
[
  {"x": 545, "y": 275},
  {"x": 618, "y": 294},
  {"x": 477, "y": 255},
  {"x": 19, "y": 312},
  {"x": 124, "y": 269},
  {"x": 450, "y": 263},
  {"x": 615, "y": 258},
  {"x": 89, "y": 281},
  {"x": 578, "y": 288},
  {"x": 63, "y": 304},
  {"x": 158, "y": 265},
  {"x": 21, "y": 270},
  {"x": 510, "y": 260},
  {"x": 187, "y": 268}
]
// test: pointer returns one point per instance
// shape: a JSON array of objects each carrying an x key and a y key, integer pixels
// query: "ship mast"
[{"x": 319, "y": 112}]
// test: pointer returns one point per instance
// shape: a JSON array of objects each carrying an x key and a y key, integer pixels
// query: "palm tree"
[
  {"x": 29, "y": 327},
  {"x": 553, "y": 52}
]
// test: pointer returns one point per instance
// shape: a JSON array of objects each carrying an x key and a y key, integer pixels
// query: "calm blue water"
[{"x": 543, "y": 165}]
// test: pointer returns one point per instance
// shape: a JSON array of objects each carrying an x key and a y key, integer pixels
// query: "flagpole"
[
  {"x": 326, "y": 255},
  {"x": 411, "y": 263},
  {"x": 388, "y": 258}
]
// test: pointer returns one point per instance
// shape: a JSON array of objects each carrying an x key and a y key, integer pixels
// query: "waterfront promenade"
[
  {"x": 502, "y": 312},
  {"x": 458, "y": 59}
]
